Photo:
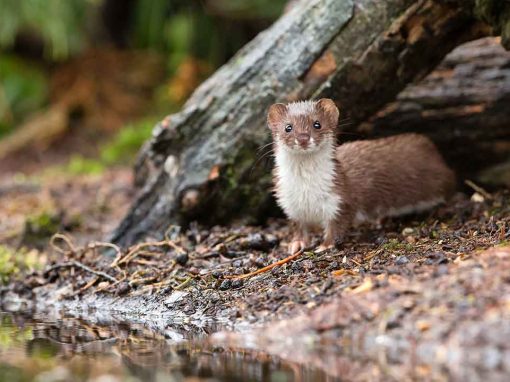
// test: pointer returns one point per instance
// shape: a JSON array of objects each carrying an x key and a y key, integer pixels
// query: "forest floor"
[{"x": 428, "y": 293}]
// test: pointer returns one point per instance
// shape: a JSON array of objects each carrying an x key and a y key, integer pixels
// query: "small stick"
[
  {"x": 66, "y": 240},
  {"x": 99, "y": 244},
  {"x": 184, "y": 284},
  {"x": 135, "y": 249},
  {"x": 84, "y": 288},
  {"x": 77, "y": 264},
  {"x": 104, "y": 287},
  {"x": 478, "y": 189},
  {"x": 269, "y": 267}
]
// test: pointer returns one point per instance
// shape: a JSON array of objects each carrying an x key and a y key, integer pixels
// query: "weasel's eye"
[
  {"x": 288, "y": 128},
  {"x": 316, "y": 125}
]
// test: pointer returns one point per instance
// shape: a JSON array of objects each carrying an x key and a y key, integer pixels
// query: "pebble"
[
  {"x": 260, "y": 262},
  {"x": 296, "y": 266},
  {"x": 272, "y": 240},
  {"x": 217, "y": 274},
  {"x": 237, "y": 263},
  {"x": 259, "y": 242},
  {"x": 225, "y": 285},
  {"x": 407, "y": 231},
  {"x": 401, "y": 260},
  {"x": 436, "y": 258},
  {"x": 182, "y": 258},
  {"x": 237, "y": 283},
  {"x": 381, "y": 240},
  {"x": 166, "y": 290},
  {"x": 122, "y": 288},
  {"x": 214, "y": 297}
]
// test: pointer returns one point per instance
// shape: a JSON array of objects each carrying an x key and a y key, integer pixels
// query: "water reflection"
[{"x": 68, "y": 349}]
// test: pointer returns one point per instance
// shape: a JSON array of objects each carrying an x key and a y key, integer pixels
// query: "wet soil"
[{"x": 427, "y": 295}]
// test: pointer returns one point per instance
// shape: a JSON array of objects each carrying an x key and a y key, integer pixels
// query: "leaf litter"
[{"x": 430, "y": 281}]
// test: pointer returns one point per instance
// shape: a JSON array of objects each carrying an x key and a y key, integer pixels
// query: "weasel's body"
[{"x": 320, "y": 184}]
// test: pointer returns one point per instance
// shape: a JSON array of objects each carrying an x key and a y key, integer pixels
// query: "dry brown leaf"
[{"x": 366, "y": 286}]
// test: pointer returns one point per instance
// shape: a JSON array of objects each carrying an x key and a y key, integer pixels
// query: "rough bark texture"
[
  {"x": 463, "y": 106},
  {"x": 200, "y": 162}
]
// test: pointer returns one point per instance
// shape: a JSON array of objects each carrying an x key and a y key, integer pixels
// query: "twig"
[
  {"x": 133, "y": 252},
  {"x": 478, "y": 189},
  {"x": 99, "y": 244},
  {"x": 85, "y": 287},
  {"x": 142, "y": 280},
  {"x": 171, "y": 242},
  {"x": 184, "y": 284},
  {"x": 104, "y": 287},
  {"x": 66, "y": 240},
  {"x": 77, "y": 264},
  {"x": 267, "y": 268}
]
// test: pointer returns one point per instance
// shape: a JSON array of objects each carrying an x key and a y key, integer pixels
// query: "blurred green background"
[{"x": 82, "y": 82}]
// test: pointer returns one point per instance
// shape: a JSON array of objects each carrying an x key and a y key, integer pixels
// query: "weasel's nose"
[{"x": 303, "y": 139}]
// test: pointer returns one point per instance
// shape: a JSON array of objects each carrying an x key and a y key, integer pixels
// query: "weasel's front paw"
[
  {"x": 324, "y": 247},
  {"x": 296, "y": 245}
]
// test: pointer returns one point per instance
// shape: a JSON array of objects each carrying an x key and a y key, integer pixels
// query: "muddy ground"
[{"x": 422, "y": 294}]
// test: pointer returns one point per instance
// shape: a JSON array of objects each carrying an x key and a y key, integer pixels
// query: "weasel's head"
[{"x": 304, "y": 126}]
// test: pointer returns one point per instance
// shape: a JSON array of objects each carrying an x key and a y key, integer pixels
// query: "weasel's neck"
[{"x": 306, "y": 184}]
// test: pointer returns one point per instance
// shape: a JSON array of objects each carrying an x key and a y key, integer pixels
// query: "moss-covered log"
[{"x": 201, "y": 162}]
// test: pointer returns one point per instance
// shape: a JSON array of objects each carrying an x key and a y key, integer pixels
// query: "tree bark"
[
  {"x": 201, "y": 162},
  {"x": 463, "y": 106}
]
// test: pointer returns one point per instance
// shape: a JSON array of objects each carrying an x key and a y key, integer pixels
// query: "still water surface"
[{"x": 35, "y": 348}]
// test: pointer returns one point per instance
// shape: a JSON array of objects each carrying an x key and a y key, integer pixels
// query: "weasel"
[{"x": 321, "y": 184}]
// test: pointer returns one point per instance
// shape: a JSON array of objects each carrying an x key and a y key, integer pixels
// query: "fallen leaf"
[{"x": 366, "y": 286}]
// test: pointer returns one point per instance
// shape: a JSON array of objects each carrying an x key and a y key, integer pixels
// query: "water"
[{"x": 34, "y": 348}]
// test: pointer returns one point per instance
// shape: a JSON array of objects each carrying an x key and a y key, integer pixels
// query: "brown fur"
[{"x": 374, "y": 178}]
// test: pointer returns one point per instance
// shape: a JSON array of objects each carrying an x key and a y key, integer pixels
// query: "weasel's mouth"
[
  {"x": 305, "y": 146},
  {"x": 305, "y": 149}
]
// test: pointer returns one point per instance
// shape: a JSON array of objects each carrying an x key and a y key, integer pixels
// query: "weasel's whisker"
[
  {"x": 264, "y": 146},
  {"x": 264, "y": 155}
]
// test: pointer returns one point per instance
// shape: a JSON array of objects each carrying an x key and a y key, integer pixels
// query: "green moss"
[
  {"x": 497, "y": 14},
  {"x": 241, "y": 190},
  {"x": 78, "y": 165},
  {"x": 123, "y": 147},
  {"x": 245, "y": 183},
  {"x": 7, "y": 265},
  {"x": 13, "y": 262},
  {"x": 40, "y": 227},
  {"x": 23, "y": 90},
  {"x": 10, "y": 335},
  {"x": 394, "y": 245}
]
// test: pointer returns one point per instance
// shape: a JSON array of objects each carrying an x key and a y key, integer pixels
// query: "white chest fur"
[{"x": 305, "y": 185}]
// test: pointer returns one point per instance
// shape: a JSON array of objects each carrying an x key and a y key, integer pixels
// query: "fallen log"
[{"x": 463, "y": 106}]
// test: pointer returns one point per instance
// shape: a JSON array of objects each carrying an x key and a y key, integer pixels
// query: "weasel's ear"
[
  {"x": 275, "y": 114},
  {"x": 329, "y": 108}
]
